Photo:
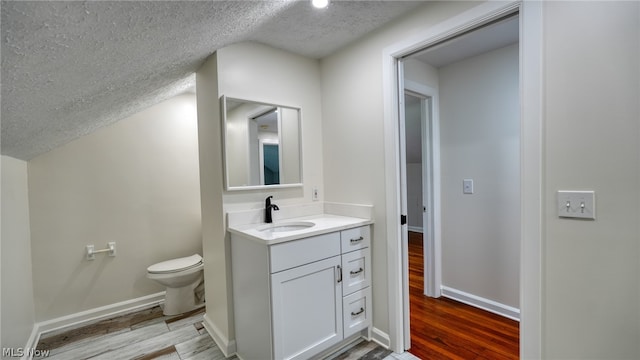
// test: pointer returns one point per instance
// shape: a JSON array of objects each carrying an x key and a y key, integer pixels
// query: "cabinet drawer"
[
  {"x": 356, "y": 271},
  {"x": 356, "y": 312},
  {"x": 299, "y": 252},
  {"x": 354, "y": 239}
]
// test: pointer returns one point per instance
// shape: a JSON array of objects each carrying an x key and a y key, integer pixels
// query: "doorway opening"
[
  {"x": 460, "y": 177},
  {"x": 423, "y": 189},
  {"x": 531, "y": 154}
]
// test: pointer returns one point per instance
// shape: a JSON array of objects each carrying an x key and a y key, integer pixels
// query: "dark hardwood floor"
[{"x": 446, "y": 329}]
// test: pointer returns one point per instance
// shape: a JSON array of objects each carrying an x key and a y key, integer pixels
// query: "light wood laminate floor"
[{"x": 148, "y": 334}]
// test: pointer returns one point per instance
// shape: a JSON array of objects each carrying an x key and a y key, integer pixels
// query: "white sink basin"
[{"x": 287, "y": 226}]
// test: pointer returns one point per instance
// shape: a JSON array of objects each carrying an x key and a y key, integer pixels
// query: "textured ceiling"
[{"x": 69, "y": 68}]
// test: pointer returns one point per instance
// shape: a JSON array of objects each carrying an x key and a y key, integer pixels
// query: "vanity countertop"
[{"x": 324, "y": 223}]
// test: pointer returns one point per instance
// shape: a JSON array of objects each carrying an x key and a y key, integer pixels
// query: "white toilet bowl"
[{"x": 181, "y": 277}]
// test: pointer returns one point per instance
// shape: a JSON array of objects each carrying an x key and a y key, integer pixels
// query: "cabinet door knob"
[
  {"x": 339, "y": 273},
  {"x": 358, "y": 312},
  {"x": 357, "y": 240},
  {"x": 356, "y": 272}
]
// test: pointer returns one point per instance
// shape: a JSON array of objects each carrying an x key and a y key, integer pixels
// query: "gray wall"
[
  {"x": 414, "y": 163},
  {"x": 479, "y": 139},
  {"x": 424, "y": 75}
]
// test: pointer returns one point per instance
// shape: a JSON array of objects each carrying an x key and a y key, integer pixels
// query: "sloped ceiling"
[{"x": 69, "y": 68}]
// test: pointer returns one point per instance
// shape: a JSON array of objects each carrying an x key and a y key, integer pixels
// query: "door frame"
[
  {"x": 431, "y": 224},
  {"x": 531, "y": 154}
]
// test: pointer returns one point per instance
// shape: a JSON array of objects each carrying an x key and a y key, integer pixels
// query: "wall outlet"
[
  {"x": 576, "y": 204},
  {"x": 314, "y": 194}
]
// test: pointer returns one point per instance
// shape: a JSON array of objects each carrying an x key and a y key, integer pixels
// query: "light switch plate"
[
  {"x": 577, "y": 204},
  {"x": 467, "y": 186}
]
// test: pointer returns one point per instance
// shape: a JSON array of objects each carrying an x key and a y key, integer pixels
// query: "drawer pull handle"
[
  {"x": 339, "y": 274},
  {"x": 357, "y": 313},
  {"x": 353, "y": 241},
  {"x": 357, "y": 271}
]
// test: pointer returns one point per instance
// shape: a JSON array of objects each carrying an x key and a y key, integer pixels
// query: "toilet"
[{"x": 183, "y": 278}]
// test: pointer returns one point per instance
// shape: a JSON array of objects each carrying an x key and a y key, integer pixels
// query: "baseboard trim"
[
  {"x": 32, "y": 342},
  {"x": 92, "y": 315},
  {"x": 102, "y": 312},
  {"x": 482, "y": 303},
  {"x": 228, "y": 347},
  {"x": 415, "y": 229},
  {"x": 381, "y": 338}
]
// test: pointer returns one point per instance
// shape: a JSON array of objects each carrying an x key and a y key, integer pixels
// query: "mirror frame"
[{"x": 225, "y": 140}]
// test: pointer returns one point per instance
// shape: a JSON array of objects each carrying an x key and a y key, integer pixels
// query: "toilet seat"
[{"x": 176, "y": 265}]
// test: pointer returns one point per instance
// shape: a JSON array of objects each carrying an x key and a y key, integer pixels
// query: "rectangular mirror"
[{"x": 262, "y": 144}]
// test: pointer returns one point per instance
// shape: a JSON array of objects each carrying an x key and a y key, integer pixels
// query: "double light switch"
[{"x": 576, "y": 204}]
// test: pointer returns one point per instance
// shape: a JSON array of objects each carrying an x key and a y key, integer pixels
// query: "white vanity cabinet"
[
  {"x": 295, "y": 299},
  {"x": 356, "y": 279},
  {"x": 307, "y": 309}
]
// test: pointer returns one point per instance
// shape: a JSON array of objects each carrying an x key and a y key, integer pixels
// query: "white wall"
[
  {"x": 238, "y": 148},
  {"x": 421, "y": 73},
  {"x": 260, "y": 73},
  {"x": 136, "y": 183},
  {"x": 18, "y": 316},
  {"x": 479, "y": 140},
  {"x": 591, "y": 271},
  {"x": 352, "y": 109},
  {"x": 214, "y": 243},
  {"x": 290, "y": 146},
  {"x": 592, "y": 130}
]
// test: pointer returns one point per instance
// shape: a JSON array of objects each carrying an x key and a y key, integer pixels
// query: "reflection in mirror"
[{"x": 262, "y": 144}]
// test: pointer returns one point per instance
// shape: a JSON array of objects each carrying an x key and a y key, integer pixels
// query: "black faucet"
[{"x": 268, "y": 206}]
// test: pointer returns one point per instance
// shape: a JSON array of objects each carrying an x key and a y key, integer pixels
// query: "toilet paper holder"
[{"x": 91, "y": 251}]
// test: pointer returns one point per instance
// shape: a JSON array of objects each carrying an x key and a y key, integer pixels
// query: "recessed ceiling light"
[{"x": 320, "y": 4}]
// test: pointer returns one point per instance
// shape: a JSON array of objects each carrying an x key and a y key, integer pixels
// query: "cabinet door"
[{"x": 307, "y": 309}]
